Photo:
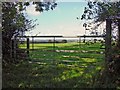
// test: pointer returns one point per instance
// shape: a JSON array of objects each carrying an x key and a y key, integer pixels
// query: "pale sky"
[{"x": 60, "y": 21}]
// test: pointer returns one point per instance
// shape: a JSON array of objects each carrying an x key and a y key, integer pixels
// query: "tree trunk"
[
  {"x": 118, "y": 33},
  {"x": 108, "y": 41}
]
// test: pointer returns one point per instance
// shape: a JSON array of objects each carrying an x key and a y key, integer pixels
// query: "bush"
[{"x": 110, "y": 76}]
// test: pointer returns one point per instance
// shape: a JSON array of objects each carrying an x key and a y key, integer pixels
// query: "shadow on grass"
[
  {"x": 34, "y": 75},
  {"x": 47, "y": 69}
]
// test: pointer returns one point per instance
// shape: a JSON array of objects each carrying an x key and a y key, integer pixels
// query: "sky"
[{"x": 60, "y": 21}]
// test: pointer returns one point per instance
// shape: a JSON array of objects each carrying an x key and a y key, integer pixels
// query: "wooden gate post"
[
  {"x": 15, "y": 48},
  {"x": 12, "y": 48},
  {"x": 119, "y": 33},
  {"x": 54, "y": 44},
  {"x": 108, "y": 41},
  {"x": 32, "y": 43},
  {"x": 28, "y": 46}
]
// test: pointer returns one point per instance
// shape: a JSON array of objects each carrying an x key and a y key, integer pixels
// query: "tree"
[
  {"x": 98, "y": 12},
  {"x": 15, "y": 22},
  {"x": 64, "y": 41}
]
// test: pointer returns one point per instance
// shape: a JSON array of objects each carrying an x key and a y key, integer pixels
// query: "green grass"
[{"x": 69, "y": 65}]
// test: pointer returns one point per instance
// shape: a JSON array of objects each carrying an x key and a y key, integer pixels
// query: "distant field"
[
  {"x": 68, "y": 65},
  {"x": 72, "y": 45},
  {"x": 66, "y": 53}
]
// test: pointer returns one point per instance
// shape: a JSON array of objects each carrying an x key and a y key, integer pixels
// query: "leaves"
[
  {"x": 15, "y": 22},
  {"x": 45, "y": 6},
  {"x": 99, "y": 11}
]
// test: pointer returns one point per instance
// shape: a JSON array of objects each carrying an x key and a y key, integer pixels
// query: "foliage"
[
  {"x": 97, "y": 12},
  {"x": 63, "y": 70},
  {"x": 41, "y": 6},
  {"x": 15, "y": 22},
  {"x": 100, "y": 11}
]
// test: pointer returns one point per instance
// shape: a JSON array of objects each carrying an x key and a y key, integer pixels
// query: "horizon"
[
  {"x": 60, "y": 21},
  {"x": 63, "y": 20}
]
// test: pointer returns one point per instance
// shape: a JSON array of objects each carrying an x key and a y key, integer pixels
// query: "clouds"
[
  {"x": 64, "y": 29},
  {"x": 31, "y": 10},
  {"x": 61, "y": 21}
]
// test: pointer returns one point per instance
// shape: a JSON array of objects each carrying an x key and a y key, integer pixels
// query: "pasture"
[{"x": 65, "y": 65}]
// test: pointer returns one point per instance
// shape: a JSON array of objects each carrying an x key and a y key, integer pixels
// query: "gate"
[{"x": 60, "y": 50}]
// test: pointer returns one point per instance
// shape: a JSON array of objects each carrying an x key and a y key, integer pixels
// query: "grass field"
[{"x": 68, "y": 65}]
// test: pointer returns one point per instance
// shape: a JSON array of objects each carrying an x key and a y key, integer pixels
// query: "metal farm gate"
[
  {"x": 64, "y": 50},
  {"x": 58, "y": 49}
]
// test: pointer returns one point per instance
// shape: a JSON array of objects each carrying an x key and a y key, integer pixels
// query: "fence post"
[
  {"x": 15, "y": 48},
  {"x": 32, "y": 43},
  {"x": 119, "y": 33},
  {"x": 28, "y": 46},
  {"x": 53, "y": 49},
  {"x": 54, "y": 44},
  {"x": 84, "y": 39},
  {"x": 79, "y": 41},
  {"x": 12, "y": 48},
  {"x": 79, "y": 46},
  {"x": 108, "y": 41}
]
